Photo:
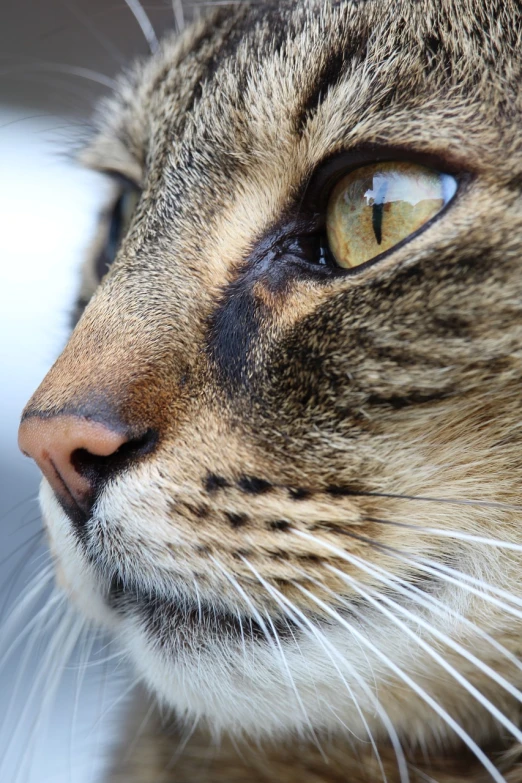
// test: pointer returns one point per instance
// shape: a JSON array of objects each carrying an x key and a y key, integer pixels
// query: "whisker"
[
  {"x": 131, "y": 746},
  {"x": 293, "y": 612},
  {"x": 179, "y": 15},
  {"x": 430, "y": 499},
  {"x": 434, "y": 569},
  {"x": 31, "y": 498},
  {"x": 108, "y": 45},
  {"x": 101, "y": 697},
  {"x": 198, "y": 600},
  {"x": 473, "y": 580},
  {"x": 419, "y": 596},
  {"x": 30, "y": 545},
  {"x": 429, "y": 700},
  {"x": 182, "y": 744},
  {"x": 243, "y": 641},
  {"x": 27, "y": 630},
  {"x": 369, "y": 595},
  {"x": 144, "y": 22},
  {"x": 31, "y": 593},
  {"x": 59, "y": 652},
  {"x": 275, "y": 643},
  {"x": 22, "y": 664},
  {"x": 293, "y": 685},
  {"x": 95, "y": 663},
  {"x": 121, "y": 697},
  {"x": 68, "y": 70},
  {"x": 87, "y": 637},
  {"x": 28, "y": 651},
  {"x": 456, "y": 534}
]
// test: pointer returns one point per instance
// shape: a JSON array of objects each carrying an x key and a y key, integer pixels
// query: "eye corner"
[{"x": 122, "y": 180}]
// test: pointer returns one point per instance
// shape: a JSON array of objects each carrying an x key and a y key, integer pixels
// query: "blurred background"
[{"x": 59, "y": 719}]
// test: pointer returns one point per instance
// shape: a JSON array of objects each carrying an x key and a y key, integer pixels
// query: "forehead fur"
[{"x": 262, "y": 79}]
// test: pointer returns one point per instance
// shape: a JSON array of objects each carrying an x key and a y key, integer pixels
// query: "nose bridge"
[{"x": 122, "y": 359}]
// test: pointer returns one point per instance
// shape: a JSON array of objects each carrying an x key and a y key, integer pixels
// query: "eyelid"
[
  {"x": 327, "y": 173},
  {"x": 122, "y": 180}
]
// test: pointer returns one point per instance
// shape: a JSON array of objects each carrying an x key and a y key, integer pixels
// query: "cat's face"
[{"x": 312, "y": 455}]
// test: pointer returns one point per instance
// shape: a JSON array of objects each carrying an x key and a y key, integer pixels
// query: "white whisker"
[
  {"x": 42, "y": 615},
  {"x": 108, "y": 45},
  {"x": 144, "y": 22},
  {"x": 68, "y": 70},
  {"x": 31, "y": 594},
  {"x": 455, "y": 534},
  {"x": 434, "y": 569},
  {"x": 431, "y": 603},
  {"x": 37, "y": 620},
  {"x": 480, "y": 583},
  {"x": 438, "y": 570},
  {"x": 141, "y": 728},
  {"x": 121, "y": 697},
  {"x": 369, "y": 595},
  {"x": 448, "y": 501},
  {"x": 424, "y": 695},
  {"x": 59, "y": 649},
  {"x": 85, "y": 652},
  {"x": 297, "y": 695},
  {"x": 275, "y": 643},
  {"x": 179, "y": 15},
  {"x": 299, "y": 618}
]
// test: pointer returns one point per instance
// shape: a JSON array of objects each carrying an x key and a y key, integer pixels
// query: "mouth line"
[
  {"x": 183, "y": 622},
  {"x": 77, "y": 516}
]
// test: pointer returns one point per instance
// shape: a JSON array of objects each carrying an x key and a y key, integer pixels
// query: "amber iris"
[{"x": 375, "y": 207}]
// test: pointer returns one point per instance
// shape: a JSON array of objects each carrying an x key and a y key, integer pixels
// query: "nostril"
[
  {"x": 78, "y": 454},
  {"x": 97, "y": 469}
]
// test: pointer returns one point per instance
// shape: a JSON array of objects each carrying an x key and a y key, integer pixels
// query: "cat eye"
[
  {"x": 120, "y": 220},
  {"x": 374, "y": 208}
]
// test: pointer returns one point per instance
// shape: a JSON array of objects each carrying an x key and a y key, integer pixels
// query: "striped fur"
[{"x": 292, "y": 401}]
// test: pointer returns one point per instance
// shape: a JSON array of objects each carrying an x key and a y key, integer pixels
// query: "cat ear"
[{"x": 108, "y": 153}]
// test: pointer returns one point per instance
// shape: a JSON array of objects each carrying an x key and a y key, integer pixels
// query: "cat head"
[{"x": 282, "y": 448}]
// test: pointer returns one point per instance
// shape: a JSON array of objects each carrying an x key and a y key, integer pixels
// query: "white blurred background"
[{"x": 48, "y": 209}]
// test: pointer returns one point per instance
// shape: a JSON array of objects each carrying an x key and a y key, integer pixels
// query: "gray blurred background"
[{"x": 58, "y": 720}]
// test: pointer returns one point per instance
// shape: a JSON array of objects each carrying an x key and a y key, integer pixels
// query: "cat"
[{"x": 282, "y": 448}]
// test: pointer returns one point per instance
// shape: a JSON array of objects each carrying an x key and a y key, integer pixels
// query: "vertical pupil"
[{"x": 377, "y": 215}]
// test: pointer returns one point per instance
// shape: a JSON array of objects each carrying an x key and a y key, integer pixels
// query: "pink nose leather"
[{"x": 52, "y": 441}]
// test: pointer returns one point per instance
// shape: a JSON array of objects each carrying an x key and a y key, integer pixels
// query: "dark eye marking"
[{"x": 377, "y": 215}]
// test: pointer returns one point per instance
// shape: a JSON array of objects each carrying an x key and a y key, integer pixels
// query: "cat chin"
[{"x": 252, "y": 693}]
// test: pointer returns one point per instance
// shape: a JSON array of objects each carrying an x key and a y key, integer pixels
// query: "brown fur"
[{"x": 287, "y": 402}]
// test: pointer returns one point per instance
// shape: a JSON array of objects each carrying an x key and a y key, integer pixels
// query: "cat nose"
[{"x": 78, "y": 454}]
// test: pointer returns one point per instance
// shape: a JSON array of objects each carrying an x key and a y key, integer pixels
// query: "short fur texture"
[{"x": 333, "y": 453}]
